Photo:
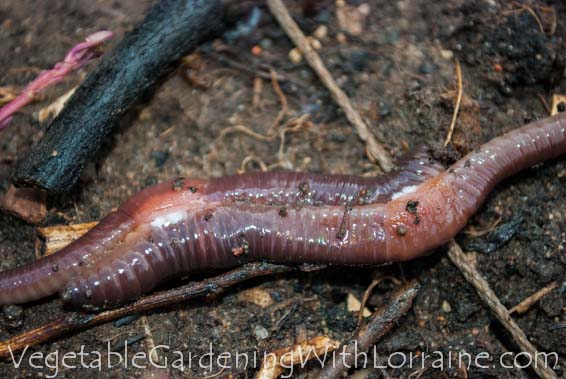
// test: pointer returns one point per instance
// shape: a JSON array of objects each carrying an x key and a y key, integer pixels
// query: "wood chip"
[
  {"x": 556, "y": 100},
  {"x": 257, "y": 296},
  {"x": 351, "y": 19},
  {"x": 58, "y": 236},
  {"x": 52, "y": 110},
  {"x": 276, "y": 362},
  {"x": 28, "y": 204},
  {"x": 354, "y": 305}
]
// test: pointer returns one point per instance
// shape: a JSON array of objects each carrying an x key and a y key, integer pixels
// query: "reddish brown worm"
[{"x": 190, "y": 225}]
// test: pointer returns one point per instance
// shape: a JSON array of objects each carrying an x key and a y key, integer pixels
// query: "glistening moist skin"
[
  {"x": 50, "y": 274},
  {"x": 186, "y": 226}
]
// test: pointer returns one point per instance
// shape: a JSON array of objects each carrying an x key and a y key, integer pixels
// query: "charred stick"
[{"x": 170, "y": 30}]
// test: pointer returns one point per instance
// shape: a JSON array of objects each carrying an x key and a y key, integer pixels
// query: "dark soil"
[{"x": 400, "y": 76}]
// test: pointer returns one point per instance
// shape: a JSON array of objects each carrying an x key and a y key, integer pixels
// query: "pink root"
[{"x": 76, "y": 58}]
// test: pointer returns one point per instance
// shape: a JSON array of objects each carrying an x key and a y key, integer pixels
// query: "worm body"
[{"x": 190, "y": 225}]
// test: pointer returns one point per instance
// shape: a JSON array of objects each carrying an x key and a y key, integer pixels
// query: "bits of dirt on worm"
[
  {"x": 178, "y": 184},
  {"x": 401, "y": 230},
  {"x": 561, "y": 107},
  {"x": 193, "y": 189},
  {"x": 304, "y": 188},
  {"x": 362, "y": 196},
  {"x": 411, "y": 207},
  {"x": 55, "y": 267},
  {"x": 243, "y": 249},
  {"x": 283, "y": 212},
  {"x": 468, "y": 163},
  {"x": 208, "y": 216},
  {"x": 175, "y": 242}
]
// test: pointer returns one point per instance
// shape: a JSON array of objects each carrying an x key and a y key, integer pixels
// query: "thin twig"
[
  {"x": 487, "y": 295},
  {"x": 291, "y": 126},
  {"x": 367, "y": 335},
  {"x": 369, "y": 291},
  {"x": 375, "y": 151},
  {"x": 526, "y": 8},
  {"x": 282, "y": 100},
  {"x": 457, "y": 103},
  {"x": 79, "y": 321},
  {"x": 252, "y": 158},
  {"x": 528, "y": 303}
]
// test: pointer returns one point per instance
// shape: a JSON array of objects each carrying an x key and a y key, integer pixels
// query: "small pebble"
[
  {"x": 446, "y": 308},
  {"x": 447, "y": 54},
  {"x": 315, "y": 43},
  {"x": 266, "y": 43},
  {"x": 341, "y": 38},
  {"x": 295, "y": 56},
  {"x": 321, "y": 32},
  {"x": 256, "y": 50},
  {"x": 260, "y": 332}
]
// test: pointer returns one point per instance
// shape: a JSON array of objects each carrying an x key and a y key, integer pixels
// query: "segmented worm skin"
[
  {"x": 50, "y": 274},
  {"x": 300, "y": 188},
  {"x": 190, "y": 225}
]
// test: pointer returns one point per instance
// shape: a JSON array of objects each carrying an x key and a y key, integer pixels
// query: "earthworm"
[
  {"x": 279, "y": 188},
  {"x": 189, "y": 225}
]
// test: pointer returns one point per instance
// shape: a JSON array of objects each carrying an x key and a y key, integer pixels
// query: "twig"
[
  {"x": 487, "y": 295},
  {"x": 150, "y": 341},
  {"x": 374, "y": 149},
  {"x": 258, "y": 86},
  {"x": 366, "y": 336},
  {"x": 291, "y": 126},
  {"x": 526, "y": 8},
  {"x": 457, "y": 103},
  {"x": 282, "y": 100},
  {"x": 80, "y": 321},
  {"x": 369, "y": 291},
  {"x": 554, "y": 21},
  {"x": 252, "y": 158},
  {"x": 528, "y": 303},
  {"x": 76, "y": 58}
]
